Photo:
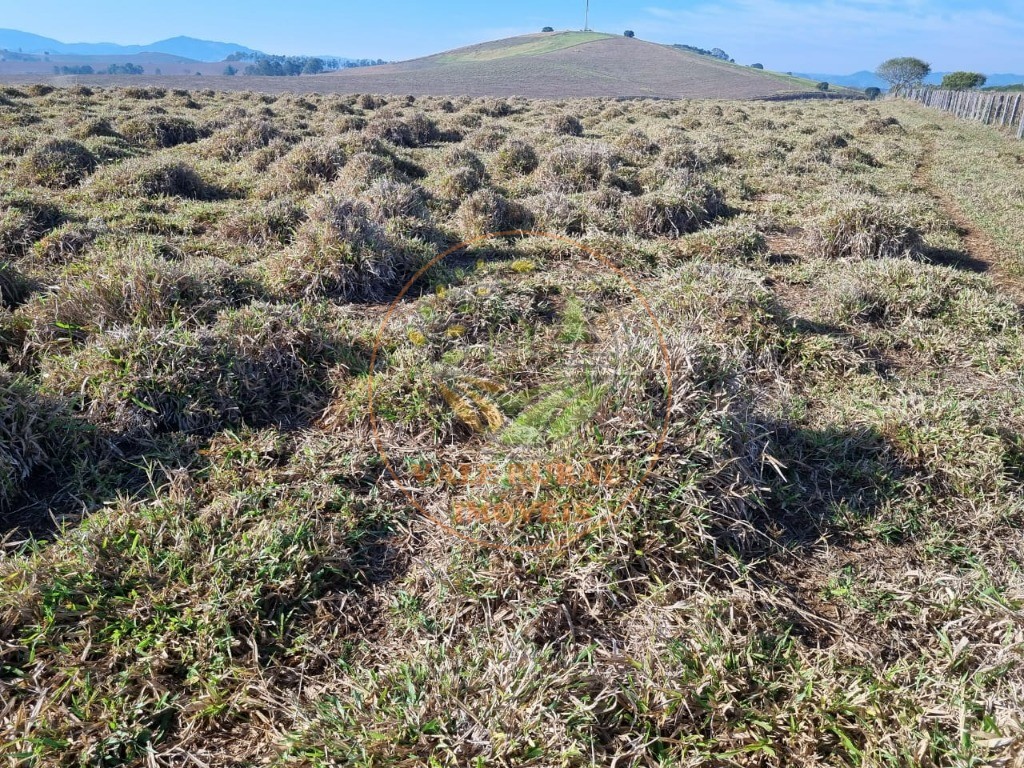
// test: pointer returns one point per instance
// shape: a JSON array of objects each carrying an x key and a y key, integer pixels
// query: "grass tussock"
[
  {"x": 152, "y": 177},
  {"x": 205, "y": 553},
  {"x": 339, "y": 251},
  {"x": 56, "y": 163},
  {"x": 863, "y": 229},
  {"x": 159, "y": 131},
  {"x": 256, "y": 366}
]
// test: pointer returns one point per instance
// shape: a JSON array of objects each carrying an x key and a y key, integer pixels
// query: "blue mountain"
[
  {"x": 865, "y": 79},
  {"x": 187, "y": 47}
]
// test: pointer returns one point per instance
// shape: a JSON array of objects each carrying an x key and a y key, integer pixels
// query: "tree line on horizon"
[
  {"x": 265, "y": 65},
  {"x": 905, "y": 73}
]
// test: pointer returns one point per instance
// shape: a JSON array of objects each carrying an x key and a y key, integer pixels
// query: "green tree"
[
  {"x": 629, "y": 33},
  {"x": 963, "y": 81},
  {"x": 548, "y": 29},
  {"x": 313, "y": 66},
  {"x": 757, "y": 66},
  {"x": 822, "y": 86},
  {"x": 872, "y": 93},
  {"x": 230, "y": 71},
  {"x": 903, "y": 73}
]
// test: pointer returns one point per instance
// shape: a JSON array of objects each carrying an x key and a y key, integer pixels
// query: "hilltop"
[{"x": 572, "y": 64}]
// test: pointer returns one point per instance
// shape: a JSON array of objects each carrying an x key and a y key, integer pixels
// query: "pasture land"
[
  {"x": 768, "y": 356},
  {"x": 557, "y": 65}
]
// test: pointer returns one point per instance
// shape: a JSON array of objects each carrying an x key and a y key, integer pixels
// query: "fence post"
[{"x": 988, "y": 108}]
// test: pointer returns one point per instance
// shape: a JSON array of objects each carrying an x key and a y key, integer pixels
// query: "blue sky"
[{"x": 835, "y": 36}]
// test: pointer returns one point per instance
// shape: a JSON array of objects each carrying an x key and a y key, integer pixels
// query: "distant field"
[
  {"x": 503, "y": 49},
  {"x": 712, "y": 456},
  {"x": 555, "y": 66}
]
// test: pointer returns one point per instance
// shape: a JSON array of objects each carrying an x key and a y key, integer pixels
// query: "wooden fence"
[{"x": 1003, "y": 109}]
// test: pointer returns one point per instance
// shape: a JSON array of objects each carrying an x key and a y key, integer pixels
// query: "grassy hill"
[
  {"x": 554, "y": 65},
  {"x": 573, "y": 65}
]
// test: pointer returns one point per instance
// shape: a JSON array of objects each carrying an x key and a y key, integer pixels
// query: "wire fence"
[{"x": 1003, "y": 109}]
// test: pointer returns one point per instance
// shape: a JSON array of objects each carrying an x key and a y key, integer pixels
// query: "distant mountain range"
[
  {"x": 186, "y": 47},
  {"x": 865, "y": 79}
]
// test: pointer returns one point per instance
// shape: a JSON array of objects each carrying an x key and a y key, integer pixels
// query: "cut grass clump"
[
  {"x": 58, "y": 163},
  {"x": 14, "y": 288},
  {"x": 93, "y": 127},
  {"x": 263, "y": 223},
  {"x": 883, "y": 126},
  {"x": 673, "y": 210},
  {"x": 464, "y": 174},
  {"x": 159, "y": 131},
  {"x": 259, "y": 366},
  {"x": 305, "y": 168},
  {"x": 415, "y": 130},
  {"x": 566, "y": 125},
  {"x": 363, "y": 170},
  {"x": 891, "y": 292},
  {"x": 578, "y": 167},
  {"x": 736, "y": 242},
  {"x": 36, "y": 434},
  {"x": 486, "y": 212},
  {"x": 142, "y": 290},
  {"x": 153, "y": 177},
  {"x": 863, "y": 229},
  {"x": 341, "y": 252},
  {"x": 23, "y": 220},
  {"x": 242, "y": 138},
  {"x": 516, "y": 157}
]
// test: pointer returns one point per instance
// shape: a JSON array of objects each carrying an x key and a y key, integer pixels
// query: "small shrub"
[
  {"x": 862, "y": 229},
  {"x": 57, "y": 163},
  {"x": 159, "y": 132}
]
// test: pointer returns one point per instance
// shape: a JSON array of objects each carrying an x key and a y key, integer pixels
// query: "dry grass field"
[{"x": 751, "y": 409}]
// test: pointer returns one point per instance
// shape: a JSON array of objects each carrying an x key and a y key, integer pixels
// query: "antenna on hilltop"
[{"x": 586, "y": 23}]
